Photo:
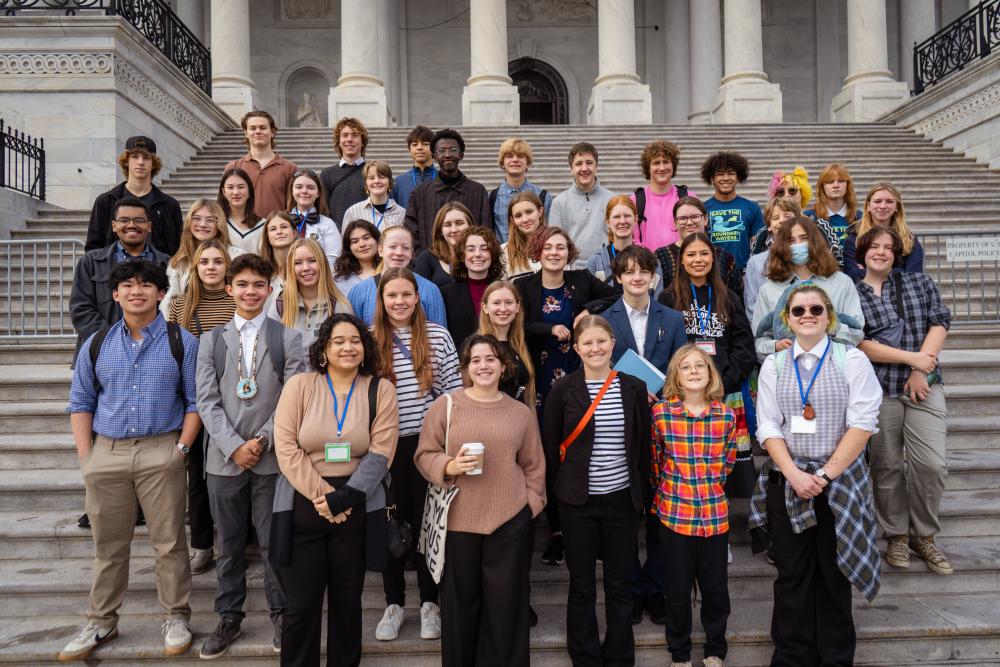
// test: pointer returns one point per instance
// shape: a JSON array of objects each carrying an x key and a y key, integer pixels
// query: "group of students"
[{"x": 316, "y": 364}]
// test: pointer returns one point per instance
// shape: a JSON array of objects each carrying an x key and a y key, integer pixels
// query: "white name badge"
[
  {"x": 802, "y": 425},
  {"x": 338, "y": 452},
  {"x": 707, "y": 345}
]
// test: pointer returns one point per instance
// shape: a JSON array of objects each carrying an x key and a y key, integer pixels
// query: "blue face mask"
[{"x": 800, "y": 254}]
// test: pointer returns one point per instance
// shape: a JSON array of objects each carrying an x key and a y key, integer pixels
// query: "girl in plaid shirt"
[{"x": 694, "y": 448}]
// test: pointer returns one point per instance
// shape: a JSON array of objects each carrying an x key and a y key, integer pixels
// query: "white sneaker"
[
  {"x": 90, "y": 637},
  {"x": 430, "y": 621},
  {"x": 392, "y": 620},
  {"x": 729, "y": 554},
  {"x": 176, "y": 636}
]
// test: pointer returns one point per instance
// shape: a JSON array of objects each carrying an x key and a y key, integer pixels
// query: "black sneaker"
[
  {"x": 83, "y": 521},
  {"x": 532, "y": 617},
  {"x": 657, "y": 608},
  {"x": 218, "y": 642},
  {"x": 279, "y": 625},
  {"x": 638, "y": 604},
  {"x": 554, "y": 553}
]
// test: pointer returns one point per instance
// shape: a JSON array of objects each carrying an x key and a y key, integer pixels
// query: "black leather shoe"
[
  {"x": 224, "y": 634},
  {"x": 532, "y": 617},
  {"x": 83, "y": 521},
  {"x": 638, "y": 603},
  {"x": 657, "y": 609}
]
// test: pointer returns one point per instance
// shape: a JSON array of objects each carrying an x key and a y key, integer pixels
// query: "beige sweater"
[
  {"x": 513, "y": 464},
  {"x": 304, "y": 423}
]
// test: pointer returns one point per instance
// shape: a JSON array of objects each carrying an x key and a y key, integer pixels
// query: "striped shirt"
[
  {"x": 413, "y": 404},
  {"x": 608, "y": 466},
  {"x": 215, "y": 309},
  {"x": 692, "y": 455}
]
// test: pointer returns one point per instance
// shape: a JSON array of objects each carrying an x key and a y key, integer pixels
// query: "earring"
[{"x": 322, "y": 359}]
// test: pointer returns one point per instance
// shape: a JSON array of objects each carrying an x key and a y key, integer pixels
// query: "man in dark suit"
[{"x": 654, "y": 332}]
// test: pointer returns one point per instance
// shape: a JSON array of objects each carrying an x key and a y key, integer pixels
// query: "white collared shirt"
[
  {"x": 357, "y": 162},
  {"x": 638, "y": 320},
  {"x": 863, "y": 403},
  {"x": 842, "y": 212},
  {"x": 249, "y": 330}
]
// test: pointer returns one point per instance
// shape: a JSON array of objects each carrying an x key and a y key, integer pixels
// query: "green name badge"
[{"x": 338, "y": 452}]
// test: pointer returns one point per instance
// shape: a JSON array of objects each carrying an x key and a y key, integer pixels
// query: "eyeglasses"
[
  {"x": 129, "y": 221},
  {"x": 815, "y": 310},
  {"x": 207, "y": 221},
  {"x": 785, "y": 192},
  {"x": 448, "y": 151},
  {"x": 686, "y": 220}
]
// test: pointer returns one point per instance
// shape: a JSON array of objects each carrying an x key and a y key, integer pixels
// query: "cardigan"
[
  {"x": 570, "y": 398},
  {"x": 513, "y": 463},
  {"x": 461, "y": 312}
]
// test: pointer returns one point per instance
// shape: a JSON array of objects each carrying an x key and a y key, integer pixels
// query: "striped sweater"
[
  {"x": 413, "y": 404},
  {"x": 216, "y": 308}
]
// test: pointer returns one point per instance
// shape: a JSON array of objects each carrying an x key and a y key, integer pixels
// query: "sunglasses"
[
  {"x": 815, "y": 310},
  {"x": 784, "y": 192}
]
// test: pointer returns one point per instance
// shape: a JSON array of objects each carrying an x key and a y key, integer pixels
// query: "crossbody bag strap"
[
  {"x": 564, "y": 445},
  {"x": 897, "y": 287}
]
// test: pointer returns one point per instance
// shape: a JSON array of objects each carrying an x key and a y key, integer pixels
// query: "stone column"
[
  {"x": 192, "y": 14},
  {"x": 232, "y": 88},
  {"x": 618, "y": 96},
  {"x": 706, "y": 57},
  {"x": 917, "y": 24},
  {"x": 869, "y": 89},
  {"x": 677, "y": 68},
  {"x": 360, "y": 91},
  {"x": 745, "y": 95},
  {"x": 489, "y": 96}
]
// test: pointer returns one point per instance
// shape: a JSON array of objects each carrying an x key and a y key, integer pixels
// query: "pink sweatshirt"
[{"x": 658, "y": 230}]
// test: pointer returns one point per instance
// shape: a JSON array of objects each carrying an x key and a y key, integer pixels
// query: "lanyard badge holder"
[
  {"x": 339, "y": 452},
  {"x": 806, "y": 423},
  {"x": 703, "y": 340}
]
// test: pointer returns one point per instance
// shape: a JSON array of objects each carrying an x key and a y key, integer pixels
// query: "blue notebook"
[{"x": 637, "y": 366}]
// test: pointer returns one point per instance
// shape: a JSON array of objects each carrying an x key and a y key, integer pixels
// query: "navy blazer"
[{"x": 664, "y": 333}]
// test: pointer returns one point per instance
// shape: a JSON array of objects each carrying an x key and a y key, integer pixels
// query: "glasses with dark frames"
[{"x": 815, "y": 310}]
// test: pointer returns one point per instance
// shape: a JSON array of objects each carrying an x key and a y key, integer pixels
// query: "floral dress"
[{"x": 558, "y": 358}]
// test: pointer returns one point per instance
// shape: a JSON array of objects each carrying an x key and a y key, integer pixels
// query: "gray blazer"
[{"x": 230, "y": 421}]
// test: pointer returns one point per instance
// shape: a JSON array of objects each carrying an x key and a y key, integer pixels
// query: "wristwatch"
[
  {"x": 182, "y": 448},
  {"x": 822, "y": 475},
  {"x": 264, "y": 442}
]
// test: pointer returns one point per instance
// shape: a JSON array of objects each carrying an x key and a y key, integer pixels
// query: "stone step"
[
  {"x": 55, "y": 350},
  {"x": 893, "y": 631},
  {"x": 973, "y": 432},
  {"x": 35, "y": 382},
  {"x": 966, "y": 400},
  {"x": 43, "y": 416}
]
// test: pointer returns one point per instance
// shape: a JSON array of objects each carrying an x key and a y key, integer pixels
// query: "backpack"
[
  {"x": 640, "y": 204},
  {"x": 496, "y": 191},
  {"x": 275, "y": 349},
  {"x": 176, "y": 349}
]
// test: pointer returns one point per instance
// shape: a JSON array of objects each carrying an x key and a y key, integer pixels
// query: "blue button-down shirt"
[
  {"x": 139, "y": 381},
  {"x": 364, "y": 294},
  {"x": 122, "y": 256},
  {"x": 504, "y": 194},
  {"x": 404, "y": 184}
]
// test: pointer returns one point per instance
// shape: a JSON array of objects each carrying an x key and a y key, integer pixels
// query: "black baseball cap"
[{"x": 140, "y": 143}]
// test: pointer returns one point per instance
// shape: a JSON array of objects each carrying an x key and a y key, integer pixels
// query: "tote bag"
[{"x": 434, "y": 526}]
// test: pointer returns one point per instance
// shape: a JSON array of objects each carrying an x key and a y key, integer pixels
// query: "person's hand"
[
  {"x": 247, "y": 455},
  {"x": 561, "y": 332},
  {"x": 323, "y": 509},
  {"x": 651, "y": 398},
  {"x": 583, "y": 313},
  {"x": 924, "y": 362},
  {"x": 916, "y": 386},
  {"x": 805, "y": 485},
  {"x": 461, "y": 464},
  {"x": 782, "y": 344}
]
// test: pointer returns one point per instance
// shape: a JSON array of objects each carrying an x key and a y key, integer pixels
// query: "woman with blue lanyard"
[
  {"x": 817, "y": 406},
  {"x": 378, "y": 209},
  {"x": 714, "y": 321},
  {"x": 306, "y": 203}
]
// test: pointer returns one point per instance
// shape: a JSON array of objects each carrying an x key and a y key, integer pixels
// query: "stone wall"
[
  {"x": 963, "y": 112},
  {"x": 14, "y": 208},
  {"x": 87, "y": 83}
]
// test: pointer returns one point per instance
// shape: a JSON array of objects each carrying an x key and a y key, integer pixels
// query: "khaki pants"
[
  {"x": 908, "y": 464},
  {"x": 116, "y": 473}
]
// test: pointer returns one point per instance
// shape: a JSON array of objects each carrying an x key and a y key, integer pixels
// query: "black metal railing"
[
  {"x": 970, "y": 37},
  {"x": 153, "y": 18},
  {"x": 22, "y": 162}
]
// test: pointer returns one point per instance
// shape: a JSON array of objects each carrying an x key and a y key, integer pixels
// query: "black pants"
[
  {"x": 704, "y": 559},
  {"x": 647, "y": 578},
  {"x": 484, "y": 597},
  {"x": 409, "y": 491},
  {"x": 551, "y": 509},
  {"x": 607, "y": 520},
  {"x": 812, "y": 623},
  {"x": 199, "y": 512},
  {"x": 328, "y": 559}
]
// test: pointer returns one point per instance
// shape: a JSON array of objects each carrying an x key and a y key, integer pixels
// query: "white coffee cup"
[{"x": 475, "y": 449}]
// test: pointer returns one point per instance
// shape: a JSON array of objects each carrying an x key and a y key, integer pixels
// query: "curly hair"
[
  {"x": 724, "y": 161},
  {"x": 655, "y": 149},
  {"x": 447, "y": 133},
  {"x": 354, "y": 124},
  {"x": 123, "y": 160},
  {"x": 459, "y": 271},
  {"x": 317, "y": 351}
]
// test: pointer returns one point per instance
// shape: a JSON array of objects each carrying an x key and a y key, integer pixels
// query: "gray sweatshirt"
[{"x": 581, "y": 214}]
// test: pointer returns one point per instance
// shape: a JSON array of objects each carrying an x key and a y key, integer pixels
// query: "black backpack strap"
[
  {"x": 176, "y": 341},
  {"x": 493, "y": 198},
  {"x": 372, "y": 401},
  {"x": 219, "y": 353},
  {"x": 640, "y": 204},
  {"x": 682, "y": 191},
  {"x": 542, "y": 195},
  {"x": 279, "y": 304},
  {"x": 276, "y": 347},
  {"x": 95, "y": 351}
]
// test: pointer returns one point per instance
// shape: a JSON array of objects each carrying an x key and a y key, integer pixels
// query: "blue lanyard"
[
  {"x": 804, "y": 395},
  {"x": 416, "y": 170},
  {"x": 611, "y": 250},
  {"x": 381, "y": 217},
  {"x": 703, "y": 323},
  {"x": 342, "y": 418}
]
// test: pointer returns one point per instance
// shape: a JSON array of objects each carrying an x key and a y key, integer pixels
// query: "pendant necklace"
[{"x": 246, "y": 388}]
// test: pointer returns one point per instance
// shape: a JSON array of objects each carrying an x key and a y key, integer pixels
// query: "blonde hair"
[
  {"x": 515, "y": 334},
  {"x": 898, "y": 222},
  {"x": 184, "y": 258},
  {"x": 382, "y": 168},
  {"x": 592, "y": 322},
  {"x": 515, "y": 146},
  {"x": 832, "y": 322},
  {"x": 195, "y": 289},
  {"x": 672, "y": 386},
  {"x": 326, "y": 287}
]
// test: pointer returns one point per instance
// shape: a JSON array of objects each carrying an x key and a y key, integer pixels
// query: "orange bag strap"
[{"x": 564, "y": 445}]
